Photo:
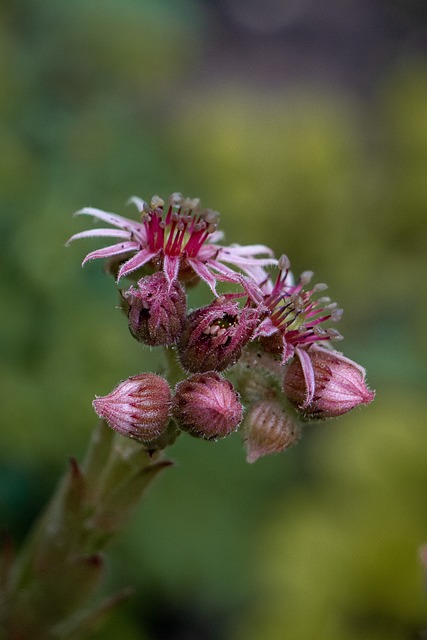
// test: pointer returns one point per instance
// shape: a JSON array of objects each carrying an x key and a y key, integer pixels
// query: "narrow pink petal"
[
  {"x": 171, "y": 267},
  {"x": 249, "y": 250},
  {"x": 113, "y": 250},
  {"x": 288, "y": 351},
  {"x": 224, "y": 273},
  {"x": 258, "y": 275},
  {"x": 249, "y": 285},
  {"x": 142, "y": 257},
  {"x": 253, "y": 290},
  {"x": 93, "y": 233},
  {"x": 140, "y": 204},
  {"x": 207, "y": 251},
  {"x": 224, "y": 270},
  {"x": 308, "y": 372},
  {"x": 216, "y": 236},
  {"x": 267, "y": 287},
  {"x": 204, "y": 273},
  {"x": 265, "y": 328},
  {"x": 112, "y": 218},
  {"x": 241, "y": 261}
]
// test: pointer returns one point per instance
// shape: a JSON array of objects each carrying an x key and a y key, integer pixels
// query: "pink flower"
[
  {"x": 293, "y": 315},
  {"x": 179, "y": 240}
]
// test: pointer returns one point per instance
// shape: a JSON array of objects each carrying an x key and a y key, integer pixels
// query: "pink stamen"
[
  {"x": 168, "y": 216},
  {"x": 158, "y": 232},
  {"x": 176, "y": 247},
  {"x": 198, "y": 241},
  {"x": 168, "y": 246}
]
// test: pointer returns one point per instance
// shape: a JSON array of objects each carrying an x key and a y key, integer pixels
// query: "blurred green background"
[{"x": 306, "y": 127}]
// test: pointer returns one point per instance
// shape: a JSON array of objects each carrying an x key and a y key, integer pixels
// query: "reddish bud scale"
[
  {"x": 207, "y": 406},
  {"x": 214, "y": 336},
  {"x": 268, "y": 428},
  {"x": 339, "y": 384},
  {"x": 138, "y": 407},
  {"x": 156, "y": 310}
]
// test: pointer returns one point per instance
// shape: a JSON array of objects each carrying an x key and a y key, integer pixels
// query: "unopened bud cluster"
[{"x": 256, "y": 358}]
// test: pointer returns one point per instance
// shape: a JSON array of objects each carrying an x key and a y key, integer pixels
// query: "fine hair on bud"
[
  {"x": 207, "y": 406},
  {"x": 156, "y": 310},
  {"x": 337, "y": 384},
  {"x": 138, "y": 407},
  {"x": 215, "y": 335},
  {"x": 268, "y": 428}
]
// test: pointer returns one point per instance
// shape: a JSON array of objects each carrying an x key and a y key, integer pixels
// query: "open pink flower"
[
  {"x": 294, "y": 315},
  {"x": 179, "y": 239},
  {"x": 293, "y": 318}
]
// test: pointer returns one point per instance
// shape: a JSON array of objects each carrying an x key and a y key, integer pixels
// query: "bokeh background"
[{"x": 305, "y": 124}]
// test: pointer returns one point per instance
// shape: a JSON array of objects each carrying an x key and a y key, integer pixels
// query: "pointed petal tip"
[
  {"x": 308, "y": 373},
  {"x": 86, "y": 260},
  {"x": 369, "y": 396},
  {"x": 140, "y": 204},
  {"x": 252, "y": 456},
  {"x": 85, "y": 211}
]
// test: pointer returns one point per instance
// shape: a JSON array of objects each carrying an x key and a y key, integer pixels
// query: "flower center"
[
  {"x": 183, "y": 228},
  {"x": 294, "y": 311},
  {"x": 220, "y": 326}
]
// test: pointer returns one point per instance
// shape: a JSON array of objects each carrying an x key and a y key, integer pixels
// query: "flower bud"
[
  {"x": 339, "y": 384},
  {"x": 214, "y": 336},
  {"x": 156, "y": 310},
  {"x": 268, "y": 428},
  {"x": 207, "y": 406},
  {"x": 138, "y": 407}
]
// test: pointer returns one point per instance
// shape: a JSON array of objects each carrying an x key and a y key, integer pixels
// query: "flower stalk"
[{"x": 61, "y": 565}]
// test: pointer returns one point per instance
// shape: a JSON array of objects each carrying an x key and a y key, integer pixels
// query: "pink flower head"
[
  {"x": 294, "y": 315},
  {"x": 179, "y": 240},
  {"x": 323, "y": 383}
]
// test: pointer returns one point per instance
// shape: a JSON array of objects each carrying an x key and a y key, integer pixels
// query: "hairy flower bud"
[
  {"x": 138, "y": 407},
  {"x": 207, "y": 406},
  {"x": 268, "y": 428},
  {"x": 156, "y": 310},
  {"x": 214, "y": 336},
  {"x": 339, "y": 384}
]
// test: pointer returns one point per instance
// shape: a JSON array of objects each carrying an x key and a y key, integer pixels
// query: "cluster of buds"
[{"x": 269, "y": 337}]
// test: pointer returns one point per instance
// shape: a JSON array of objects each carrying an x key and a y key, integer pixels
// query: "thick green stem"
[{"x": 59, "y": 568}]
